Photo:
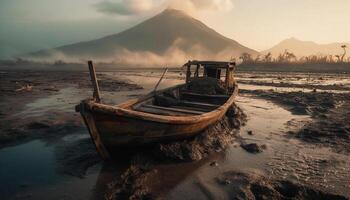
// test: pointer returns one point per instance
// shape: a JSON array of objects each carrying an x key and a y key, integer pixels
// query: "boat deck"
[{"x": 189, "y": 104}]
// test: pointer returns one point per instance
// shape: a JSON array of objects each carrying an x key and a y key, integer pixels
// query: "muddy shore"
[
  {"x": 22, "y": 123},
  {"x": 39, "y": 106},
  {"x": 330, "y": 112}
]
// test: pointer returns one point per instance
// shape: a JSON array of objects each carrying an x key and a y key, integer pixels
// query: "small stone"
[
  {"x": 214, "y": 164},
  {"x": 252, "y": 148},
  {"x": 250, "y": 132}
]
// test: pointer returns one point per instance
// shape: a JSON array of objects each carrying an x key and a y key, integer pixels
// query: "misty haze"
[{"x": 165, "y": 99}]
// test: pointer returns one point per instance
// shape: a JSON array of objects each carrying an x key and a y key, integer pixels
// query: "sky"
[{"x": 31, "y": 25}]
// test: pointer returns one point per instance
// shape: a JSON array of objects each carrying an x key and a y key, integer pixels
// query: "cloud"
[
  {"x": 200, "y": 5},
  {"x": 125, "y": 7},
  {"x": 174, "y": 56},
  {"x": 136, "y": 7}
]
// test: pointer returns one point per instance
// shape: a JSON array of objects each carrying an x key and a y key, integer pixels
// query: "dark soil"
[
  {"x": 294, "y": 85},
  {"x": 333, "y": 130},
  {"x": 214, "y": 139},
  {"x": 330, "y": 112},
  {"x": 132, "y": 185},
  {"x": 315, "y": 104},
  {"x": 18, "y": 88},
  {"x": 18, "y": 131},
  {"x": 240, "y": 185}
]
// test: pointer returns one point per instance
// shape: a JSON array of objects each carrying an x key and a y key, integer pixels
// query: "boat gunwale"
[{"x": 122, "y": 110}]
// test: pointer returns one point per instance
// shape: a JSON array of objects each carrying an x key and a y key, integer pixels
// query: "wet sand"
[{"x": 302, "y": 139}]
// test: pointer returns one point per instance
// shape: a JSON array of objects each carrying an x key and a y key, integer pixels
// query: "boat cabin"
[{"x": 222, "y": 71}]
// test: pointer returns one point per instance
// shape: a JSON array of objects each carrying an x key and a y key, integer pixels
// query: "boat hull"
[{"x": 117, "y": 127}]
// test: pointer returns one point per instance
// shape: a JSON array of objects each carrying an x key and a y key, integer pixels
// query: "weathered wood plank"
[
  {"x": 96, "y": 94},
  {"x": 199, "y": 104},
  {"x": 160, "y": 112},
  {"x": 219, "y": 96},
  {"x": 128, "y": 112},
  {"x": 175, "y": 109},
  {"x": 191, "y": 108},
  {"x": 90, "y": 123}
]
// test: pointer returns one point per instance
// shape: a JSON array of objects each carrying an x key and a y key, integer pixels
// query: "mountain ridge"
[
  {"x": 170, "y": 30},
  {"x": 306, "y": 48}
]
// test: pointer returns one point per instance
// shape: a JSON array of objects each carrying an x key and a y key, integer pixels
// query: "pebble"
[
  {"x": 252, "y": 148},
  {"x": 227, "y": 182}
]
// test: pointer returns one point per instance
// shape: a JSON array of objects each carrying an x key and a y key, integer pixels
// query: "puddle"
[
  {"x": 64, "y": 101},
  {"x": 28, "y": 165},
  {"x": 30, "y": 171}
]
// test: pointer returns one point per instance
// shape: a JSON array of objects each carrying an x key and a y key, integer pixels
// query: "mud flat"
[
  {"x": 295, "y": 67},
  {"x": 313, "y": 86},
  {"x": 330, "y": 112},
  {"x": 40, "y": 130},
  {"x": 257, "y": 186},
  {"x": 40, "y": 104}
]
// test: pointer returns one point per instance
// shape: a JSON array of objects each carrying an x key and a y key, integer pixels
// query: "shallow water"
[
  {"x": 265, "y": 119},
  {"x": 30, "y": 170}
]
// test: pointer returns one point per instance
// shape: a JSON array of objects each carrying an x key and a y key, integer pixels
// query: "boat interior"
[
  {"x": 199, "y": 96},
  {"x": 209, "y": 85}
]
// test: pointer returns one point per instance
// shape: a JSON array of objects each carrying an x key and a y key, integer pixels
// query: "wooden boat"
[{"x": 170, "y": 114}]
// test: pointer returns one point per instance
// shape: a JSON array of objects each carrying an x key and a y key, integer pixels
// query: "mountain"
[
  {"x": 169, "y": 34},
  {"x": 306, "y": 48}
]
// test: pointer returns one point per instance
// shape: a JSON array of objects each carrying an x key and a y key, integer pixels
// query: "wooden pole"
[
  {"x": 161, "y": 78},
  {"x": 96, "y": 95},
  {"x": 188, "y": 73}
]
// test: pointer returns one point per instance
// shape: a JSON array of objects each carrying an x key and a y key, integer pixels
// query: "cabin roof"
[{"x": 211, "y": 64}]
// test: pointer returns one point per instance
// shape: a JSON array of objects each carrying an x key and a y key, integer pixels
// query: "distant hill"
[
  {"x": 306, "y": 48},
  {"x": 171, "y": 36}
]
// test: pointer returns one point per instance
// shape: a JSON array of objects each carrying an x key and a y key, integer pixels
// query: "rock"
[
  {"x": 214, "y": 163},
  {"x": 252, "y": 148},
  {"x": 250, "y": 132},
  {"x": 225, "y": 182}
]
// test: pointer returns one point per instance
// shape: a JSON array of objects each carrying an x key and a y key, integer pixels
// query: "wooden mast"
[
  {"x": 89, "y": 118},
  {"x": 96, "y": 95}
]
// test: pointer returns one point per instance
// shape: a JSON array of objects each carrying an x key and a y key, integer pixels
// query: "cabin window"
[
  {"x": 223, "y": 74},
  {"x": 195, "y": 71},
  {"x": 215, "y": 73}
]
